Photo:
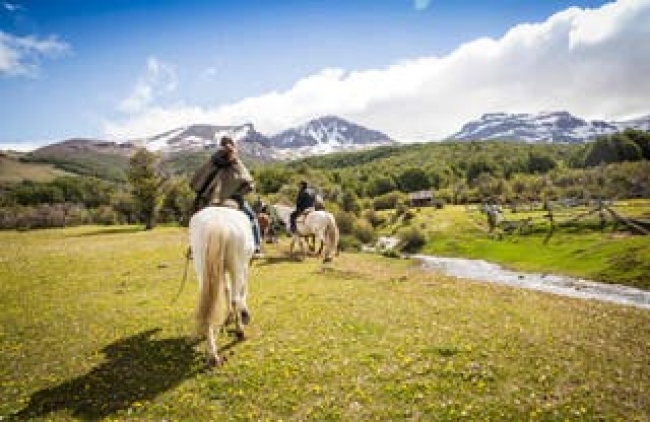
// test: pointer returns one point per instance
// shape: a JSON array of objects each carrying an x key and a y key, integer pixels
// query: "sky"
[{"x": 416, "y": 70}]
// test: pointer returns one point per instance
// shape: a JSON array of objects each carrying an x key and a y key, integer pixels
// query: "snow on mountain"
[
  {"x": 642, "y": 123},
  {"x": 319, "y": 136},
  {"x": 556, "y": 126},
  {"x": 328, "y": 134},
  {"x": 200, "y": 137}
]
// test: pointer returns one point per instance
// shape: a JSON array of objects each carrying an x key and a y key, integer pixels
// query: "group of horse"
[{"x": 222, "y": 246}]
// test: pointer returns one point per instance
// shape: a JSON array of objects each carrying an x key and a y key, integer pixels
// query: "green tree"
[
  {"x": 413, "y": 179},
  {"x": 540, "y": 163},
  {"x": 145, "y": 186},
  {"x": 612, "y": 149},
  {"x": 350, "y": 203},
  {"x": 641, "y": 138},
  {"x": 177, "y": 201},
  {"x": 381, "y": 185}
]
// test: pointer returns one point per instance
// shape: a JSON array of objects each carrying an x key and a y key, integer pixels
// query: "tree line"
[{"x": 353, "y": 184}]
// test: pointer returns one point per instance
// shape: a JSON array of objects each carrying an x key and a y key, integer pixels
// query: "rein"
[{"x": 187, "y": 264}]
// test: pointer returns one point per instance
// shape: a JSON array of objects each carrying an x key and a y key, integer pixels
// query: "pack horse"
[
  {"x": 222, "y": 248},
  {"x": 320, "y": 224}
]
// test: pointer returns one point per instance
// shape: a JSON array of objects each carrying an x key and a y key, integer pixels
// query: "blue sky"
[{"x": 416, "y": 70}]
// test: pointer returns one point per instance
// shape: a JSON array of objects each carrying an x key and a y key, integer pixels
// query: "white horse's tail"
[
  {"x": 332, "y": 235},
  {"x": 213, "y": 303}
]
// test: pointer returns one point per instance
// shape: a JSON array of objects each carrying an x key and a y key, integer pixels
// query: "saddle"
[
  {"x": 228, "y": 203},
  {"x": 200, "y": 203},
  {"x": 304, "y": 213}
]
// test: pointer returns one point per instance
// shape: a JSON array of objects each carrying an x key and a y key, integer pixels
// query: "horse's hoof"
[
  {"x": 326, "y": 260},
  {"x": 215, "y": 361},
  {"x": 245, "y": 317},
  {"x": 230, "y": 319},
  {"x": 240, "y": 335}
]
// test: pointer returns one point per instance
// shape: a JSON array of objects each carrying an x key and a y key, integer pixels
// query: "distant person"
[
  {"x": 224, "y": 178},
  {"x": 304, "y": 200},
  {"x": 258, "y": 205}
]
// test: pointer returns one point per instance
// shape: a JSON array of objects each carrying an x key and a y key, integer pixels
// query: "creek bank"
[{"x": 480, "y": 270}]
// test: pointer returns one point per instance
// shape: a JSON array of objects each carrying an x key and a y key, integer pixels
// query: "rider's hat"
[{"x": 225, "y": 140}]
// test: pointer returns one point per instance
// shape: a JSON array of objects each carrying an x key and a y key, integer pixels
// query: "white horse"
[
  {"x": 222, "y": 248},
  {"x": 320, "y": 224}
]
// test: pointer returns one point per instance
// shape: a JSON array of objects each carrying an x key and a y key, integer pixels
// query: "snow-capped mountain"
[
  {"x": 328, "y": 134},
  {"x": 557, "y": 126},
  {"x": 319, "y": 136},
  {"x": 198, "y": 137}
]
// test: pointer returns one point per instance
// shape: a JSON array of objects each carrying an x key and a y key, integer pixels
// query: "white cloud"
[
  {"x": 158, "y": 78},
  {"x": 209, "y": 73},
  {"x": 591, "y": 62},
  {"x": 21, "y": 56},
  {"x": 12, "y": 7},
  {"x": 421, "y": 4}
]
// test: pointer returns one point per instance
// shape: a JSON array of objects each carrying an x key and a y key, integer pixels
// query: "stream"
[{"x": 562, "y": 285}]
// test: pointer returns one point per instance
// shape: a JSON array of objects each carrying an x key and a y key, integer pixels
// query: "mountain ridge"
[{"x": 549, "y": 126}]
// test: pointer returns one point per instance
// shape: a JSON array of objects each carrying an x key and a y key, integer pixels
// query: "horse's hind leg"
[
  {"x": 239, "y": 305},
  {"x": 213, "y": 354}
]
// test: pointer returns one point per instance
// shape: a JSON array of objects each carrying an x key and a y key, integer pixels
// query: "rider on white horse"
[
  {"x": 225, "y": 178},
  {"x": 306, "y": 199}
]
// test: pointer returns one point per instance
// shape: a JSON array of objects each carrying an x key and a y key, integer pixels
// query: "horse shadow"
[
  {"x": 108, "y": 231},
  {"x": 273, "y": 260},
  {"x": 138, "y": 368}
]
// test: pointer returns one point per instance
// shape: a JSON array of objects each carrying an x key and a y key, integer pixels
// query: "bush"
[
  {"x": 388, "y": 201},
  {"x": 411, "y": 240},
  {"x": 391, "y": 253},
  {"x": 374, "y": 218},
  {"x": 104, "y": 215},
  {"x": 345, "y": 222},
  {"x": 364, "y": 232},
  {"x": 349, "y": 243}
]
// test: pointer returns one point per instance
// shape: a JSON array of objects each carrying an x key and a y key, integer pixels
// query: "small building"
[{"x": 423, "y": 198}]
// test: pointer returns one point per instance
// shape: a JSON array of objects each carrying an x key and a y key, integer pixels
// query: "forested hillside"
[{"x": 611, "y": 167}]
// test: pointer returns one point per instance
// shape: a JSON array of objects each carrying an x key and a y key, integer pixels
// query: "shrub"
[
  {"x": 349, "y": 243},
  {"x": 374, "y": 218},
  {"x": 104, "y": 215},
  {"x": 411, "y": 240},
  {"x": 387, "y": 201},
  {"x": 345, "y": 222},
  {"x": 364, "y": 232}
]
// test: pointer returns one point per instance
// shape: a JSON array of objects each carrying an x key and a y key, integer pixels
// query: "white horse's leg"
[
  {"x": 240, "y": 307},
  {"x": 302, "y": 242},
  {"x": 213, "y": 354}
]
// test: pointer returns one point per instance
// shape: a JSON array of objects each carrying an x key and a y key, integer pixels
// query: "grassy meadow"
[
  {"x": 580, "y": 249},
  {"x": 89, "y": 332}
]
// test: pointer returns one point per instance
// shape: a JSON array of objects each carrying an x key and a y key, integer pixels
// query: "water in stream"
[{"x": 561, "y": 285}]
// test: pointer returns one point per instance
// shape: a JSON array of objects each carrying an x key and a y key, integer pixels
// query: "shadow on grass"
[
  {"x": 112, "y": 230},
  {"x": 137, "y": 369},
  {"x": 273, "y": 260}
]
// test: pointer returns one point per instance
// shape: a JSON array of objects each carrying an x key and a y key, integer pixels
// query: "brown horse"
[{"x": 266, "y": 227}]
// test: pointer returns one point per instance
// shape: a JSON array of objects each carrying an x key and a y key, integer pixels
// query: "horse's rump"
[{"x": 222, "y": 247}]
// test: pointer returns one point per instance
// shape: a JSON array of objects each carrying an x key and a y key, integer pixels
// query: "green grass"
[
  {"x": 88, "y": 332},
  {"x": 608, "y": 255}
]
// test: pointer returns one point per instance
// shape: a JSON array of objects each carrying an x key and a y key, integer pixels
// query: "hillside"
[
  {"x": 14, "y": 170},
  {"x": 102, "y": 159},
  {"x": 438, "y": 155}
]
